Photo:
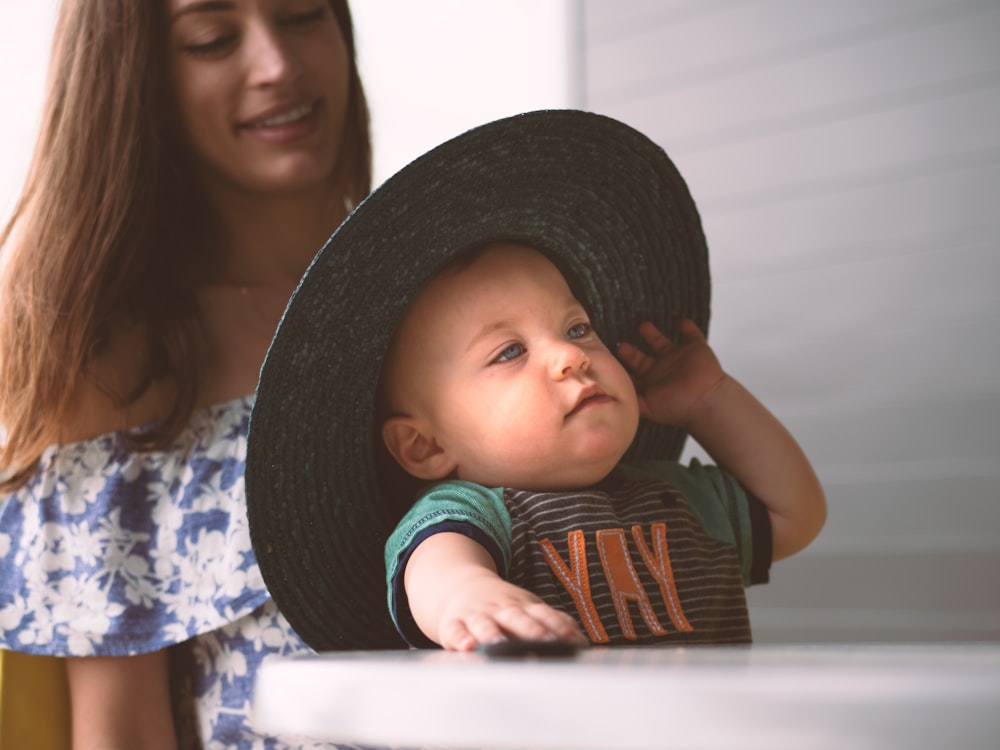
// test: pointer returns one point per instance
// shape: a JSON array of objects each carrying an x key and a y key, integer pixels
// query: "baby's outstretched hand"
[
  {"x": 495, "y": 610},
  {"x": 674, "y": 378}
]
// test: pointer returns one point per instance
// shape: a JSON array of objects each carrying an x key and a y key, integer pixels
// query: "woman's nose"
[{"x": 270, "y": 58}]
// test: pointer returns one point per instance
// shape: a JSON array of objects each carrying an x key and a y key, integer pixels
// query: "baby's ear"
[{"x": 412, "y": 444}]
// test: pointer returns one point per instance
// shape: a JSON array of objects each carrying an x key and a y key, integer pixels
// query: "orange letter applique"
[
  {"x": 623, "y": 580},
  {"x": 658, "y": 563},
  {"x": 577, "y": 581}
]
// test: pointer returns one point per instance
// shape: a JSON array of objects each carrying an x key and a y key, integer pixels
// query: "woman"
[{"x": 192, "y": 159}]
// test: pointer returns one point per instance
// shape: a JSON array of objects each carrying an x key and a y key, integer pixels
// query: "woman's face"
[{"x": 261, "y": 88}]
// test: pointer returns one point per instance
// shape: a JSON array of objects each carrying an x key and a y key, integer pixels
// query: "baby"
[
  {"x": 439, "y": 414},
  {"x": 498, "y": 386}
]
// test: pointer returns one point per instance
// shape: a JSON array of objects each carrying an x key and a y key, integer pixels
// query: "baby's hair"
[
  {"x": 459, "y": 262},
  {"x": 470, "y": 255},
  {"x": 395, "y": 482}
]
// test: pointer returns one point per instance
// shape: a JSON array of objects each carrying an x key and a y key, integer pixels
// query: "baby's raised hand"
[{"x": 673, "y": 379}]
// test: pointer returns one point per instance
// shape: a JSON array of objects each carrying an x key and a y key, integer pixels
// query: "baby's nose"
[{"x": 569, "y": 359}]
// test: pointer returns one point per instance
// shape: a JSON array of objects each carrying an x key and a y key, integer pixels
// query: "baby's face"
[{"x": 500, "y": 361}]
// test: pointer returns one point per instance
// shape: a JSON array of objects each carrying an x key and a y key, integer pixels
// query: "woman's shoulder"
[
  {"x": 100, "y": 465},
  {"x": 114, "y": 395},
  {"x": 117, "y": 393}
]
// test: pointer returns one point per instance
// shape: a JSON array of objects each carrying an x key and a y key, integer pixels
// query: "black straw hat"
[{"x": 600, "y": 199}]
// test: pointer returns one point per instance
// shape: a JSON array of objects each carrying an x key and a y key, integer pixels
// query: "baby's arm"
[
  {"x": 458, "y": 600},
  {"x": 684, "y": 384}
]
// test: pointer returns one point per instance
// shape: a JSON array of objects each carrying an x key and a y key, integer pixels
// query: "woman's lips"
[{"x": 285, "y": 117}]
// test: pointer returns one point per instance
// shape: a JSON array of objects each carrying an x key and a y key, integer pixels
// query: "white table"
[{"x": 940, "y": 696}]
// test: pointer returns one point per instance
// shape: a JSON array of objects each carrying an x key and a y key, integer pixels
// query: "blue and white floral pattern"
[{"x": 110, "y": 552}]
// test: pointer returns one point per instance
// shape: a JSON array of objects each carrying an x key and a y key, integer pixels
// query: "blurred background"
[{"x": 846, "y": 160}]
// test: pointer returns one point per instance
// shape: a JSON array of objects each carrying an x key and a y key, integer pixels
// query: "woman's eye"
[
  {"x": 211, "y": 47},
  {"x": 511, "y": 352},
  {"x": 578, "y": 331}
]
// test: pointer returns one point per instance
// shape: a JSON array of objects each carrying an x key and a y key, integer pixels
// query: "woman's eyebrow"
[{"x": 204, "y": 6}]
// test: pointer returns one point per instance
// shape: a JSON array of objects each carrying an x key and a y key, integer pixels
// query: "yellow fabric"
[{"x": 34, "y": 703}]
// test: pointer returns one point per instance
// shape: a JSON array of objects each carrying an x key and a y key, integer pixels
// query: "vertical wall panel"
[{"x": 846, "y": 160}]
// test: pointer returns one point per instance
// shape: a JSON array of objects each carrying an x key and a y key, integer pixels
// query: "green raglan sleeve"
[
  {"x": 463, "y": 507},
  {"x": 724, "y": 508}
]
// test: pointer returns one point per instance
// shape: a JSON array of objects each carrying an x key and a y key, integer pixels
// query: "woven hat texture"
[{"x": 603, "y": 201}]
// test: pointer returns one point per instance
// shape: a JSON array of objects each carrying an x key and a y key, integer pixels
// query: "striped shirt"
[{"x": 657, "y": 554}]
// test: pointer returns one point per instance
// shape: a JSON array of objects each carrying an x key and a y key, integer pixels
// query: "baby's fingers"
[
  {"x": 691, "y": 333},
  {"x": 636, "y": 360},
  {"x": 658, "y": 343},
  {"x": 463, "y": 635},
  {"x": 540, "y": 622}
]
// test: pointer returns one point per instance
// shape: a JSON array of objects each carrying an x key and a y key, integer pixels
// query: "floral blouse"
[{"x": 110, "y": 552}]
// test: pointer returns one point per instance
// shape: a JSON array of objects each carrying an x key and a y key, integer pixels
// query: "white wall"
[
  {"x": 25, "y": 35},
  {"x": 846, "y": 159},
  {"x": 435, "y": 68},
  {"x": 431, "y": 69}
]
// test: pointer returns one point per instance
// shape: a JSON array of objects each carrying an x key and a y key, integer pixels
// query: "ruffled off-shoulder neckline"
[{"x": 111, "y": 551}]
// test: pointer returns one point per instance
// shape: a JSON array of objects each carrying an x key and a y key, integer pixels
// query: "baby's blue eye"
[
  {"x": 578, "y": 331},
  {"x": 511, "y": 352}
]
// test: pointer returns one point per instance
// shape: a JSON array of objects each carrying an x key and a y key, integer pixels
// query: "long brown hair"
[{"x": 95, "y": 238}]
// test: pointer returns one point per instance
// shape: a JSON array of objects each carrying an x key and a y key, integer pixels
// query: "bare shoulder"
[{"x": 99, "y": 403}]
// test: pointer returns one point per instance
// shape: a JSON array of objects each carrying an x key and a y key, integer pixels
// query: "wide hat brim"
[{"x": 603, "y": 201}]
